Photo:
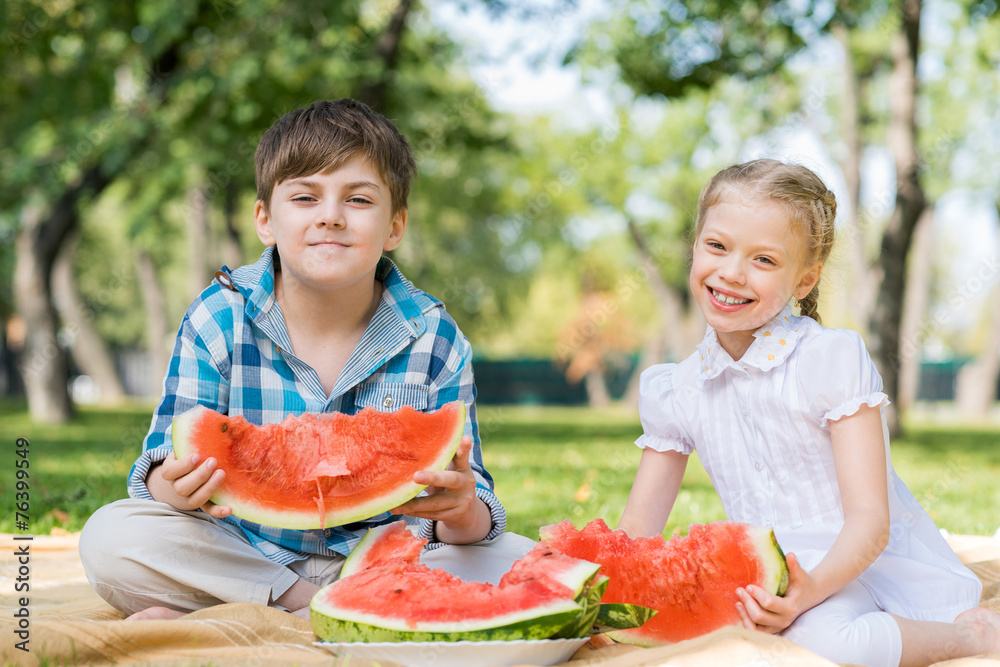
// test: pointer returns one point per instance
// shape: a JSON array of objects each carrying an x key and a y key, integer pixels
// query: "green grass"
[
  {"x": 74, "y": 468},
  {"x": 549, "y": 464}
]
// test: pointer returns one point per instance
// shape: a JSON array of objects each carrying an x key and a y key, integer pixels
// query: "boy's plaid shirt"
[{"x": 230, "y": 356}]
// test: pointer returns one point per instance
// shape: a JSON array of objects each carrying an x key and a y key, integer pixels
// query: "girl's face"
[{"x": 748, "y": 263}]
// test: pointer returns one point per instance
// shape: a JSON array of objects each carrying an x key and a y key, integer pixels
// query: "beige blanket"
[{"x": 68, "y": 624}]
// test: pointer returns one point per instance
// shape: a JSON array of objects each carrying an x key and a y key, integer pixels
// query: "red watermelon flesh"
[
  {"x": 690, "y": 580},
  {"x": 387, "y": 598},
  {"x": 384, "y": 545},
  {"x": 318, "y": 470}
]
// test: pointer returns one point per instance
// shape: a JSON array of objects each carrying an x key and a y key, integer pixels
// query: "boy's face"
[{"x": 331, "y": 229}]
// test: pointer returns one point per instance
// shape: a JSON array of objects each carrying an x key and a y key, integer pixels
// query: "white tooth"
[{"x": 729, "y": 300}]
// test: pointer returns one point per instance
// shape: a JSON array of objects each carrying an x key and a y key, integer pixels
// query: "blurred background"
[{"x": 561, "y": 146}]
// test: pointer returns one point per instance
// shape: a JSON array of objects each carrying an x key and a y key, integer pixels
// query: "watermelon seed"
[
  {"x": 398, "y": 591},
  {"x": 224, "y": 427}
]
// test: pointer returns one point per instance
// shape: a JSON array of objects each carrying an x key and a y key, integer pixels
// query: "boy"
[{"x": 320, "y": 323}]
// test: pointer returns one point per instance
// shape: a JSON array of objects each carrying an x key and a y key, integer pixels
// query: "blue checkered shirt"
[{"x": 232, "y": 355}]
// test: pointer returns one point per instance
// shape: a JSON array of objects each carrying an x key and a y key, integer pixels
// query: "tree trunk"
[
  {"x": 232, "y": 249},
  {"x": 859, "y": 297},
  {"x": 374, "y": 92},
  {"x": 652, "y": 353},
  {"x": 677, "y": 330},
  {"x": 914, "y": 328},
  {"x": 197, "y": 241},
  {"x": 44, "y": 364},
  {"x": 157, "y": 332},
  {"x": 90, "y": 353},
  {"x": 45, "y": 367},
  {"x": 976, "y": 385},
  {"x": 597, "y": 388},
  {"x": 976, "y": 388},
  {"x": 910, "y": 202}
]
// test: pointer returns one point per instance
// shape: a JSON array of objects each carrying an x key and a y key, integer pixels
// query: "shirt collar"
[
  {"x": 256, "y": 283},
  {"x": 772, "y": 344},
  {"x": 401, "y": 297}
]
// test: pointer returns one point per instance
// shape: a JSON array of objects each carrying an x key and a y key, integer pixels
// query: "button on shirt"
[
  {"x": 232, "y": 355},
  {"x": 760, "y": 426}
]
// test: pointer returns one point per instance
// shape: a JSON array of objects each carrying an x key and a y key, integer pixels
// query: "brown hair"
[
  {"x": 321, "y": 137},
  {"x": 812, "y": 208}
]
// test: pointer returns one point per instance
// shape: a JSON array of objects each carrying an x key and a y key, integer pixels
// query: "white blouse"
[{"x": 760, "y": 427}]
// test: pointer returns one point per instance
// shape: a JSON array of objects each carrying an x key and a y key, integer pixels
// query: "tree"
[
  {"x": 685, "y": 65},
  {"x": 924, "y": 147},
  {"x": 88, "y": 148},
  {"x": 679, "y": 49},
  {"x": 168, "y": 102}
]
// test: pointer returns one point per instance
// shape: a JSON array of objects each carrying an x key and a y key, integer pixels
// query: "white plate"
[{"x": 462, "y": 654}]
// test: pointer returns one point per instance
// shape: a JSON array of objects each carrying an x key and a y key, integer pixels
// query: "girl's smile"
[{"x": 728, "y": 301}]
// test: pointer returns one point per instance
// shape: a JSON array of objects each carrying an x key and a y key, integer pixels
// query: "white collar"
[{"x": 772, "y": 344}]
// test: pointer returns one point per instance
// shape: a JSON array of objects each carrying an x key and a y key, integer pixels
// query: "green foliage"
[
  {"x": 171, "y": 97},
  {"x": 674, "y": 48},
  {"x": 549, "y": 464}
]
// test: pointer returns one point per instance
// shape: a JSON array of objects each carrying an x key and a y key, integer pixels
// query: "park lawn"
[{"x": 549, "y": 464}]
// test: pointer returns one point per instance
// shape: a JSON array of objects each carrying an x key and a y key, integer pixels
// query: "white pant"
[
  {"x": 848, "y": 627},
  {"x": 139, "y": 554}
]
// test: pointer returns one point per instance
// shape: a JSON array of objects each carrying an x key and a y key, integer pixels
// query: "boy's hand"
[
  {"x": 451, "y": 500},
  {"x": 187, "y": 485},
  {"x": 768, "y": 613}
]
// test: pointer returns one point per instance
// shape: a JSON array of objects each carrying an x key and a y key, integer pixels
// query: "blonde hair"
[{"x": 811, "y": 207}]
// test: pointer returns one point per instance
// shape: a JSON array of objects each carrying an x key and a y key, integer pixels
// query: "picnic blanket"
[{"x": 69, "y": 624}]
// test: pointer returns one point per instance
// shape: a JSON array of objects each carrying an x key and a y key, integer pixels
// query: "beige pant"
[{"x": 140, "y": 553}]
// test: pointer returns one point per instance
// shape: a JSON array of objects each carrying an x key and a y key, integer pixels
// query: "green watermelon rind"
[
  {"x": 249, "y": 510},
  {"x": 541, "y": 622},
  {"x": 622, "y": 616},
  {"x": 775, "y": 579},
  {"x": 590, "y": 599}
]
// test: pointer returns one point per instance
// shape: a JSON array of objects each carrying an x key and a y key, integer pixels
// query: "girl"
[{"x": 787, "y": 419}]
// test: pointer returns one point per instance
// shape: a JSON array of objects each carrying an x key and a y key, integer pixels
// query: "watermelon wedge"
[
  {"x": 314, "y": 471},
  {"x": 387, "y": 598},
  {"x": 691, "y": 581},
  {"x": 383, "y": 545}
]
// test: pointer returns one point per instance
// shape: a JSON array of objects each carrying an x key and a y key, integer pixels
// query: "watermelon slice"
[
  {"x": 383, "y": 545},
  {"x": 386, "y": 595},
  {"x": 314, "y": 471},
  {"x": 691, "y": 580}
]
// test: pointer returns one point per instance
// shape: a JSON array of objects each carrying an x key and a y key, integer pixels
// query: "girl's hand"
[
  {"x": 769, "y": 613},
  {"x": 188, "y": 485},
  {"x": 451, "y": 500}
]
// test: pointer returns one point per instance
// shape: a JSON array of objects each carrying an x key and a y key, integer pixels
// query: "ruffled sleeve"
[
  {"x": 842, "y": 376},
  {"x": 662, "y": 427}
]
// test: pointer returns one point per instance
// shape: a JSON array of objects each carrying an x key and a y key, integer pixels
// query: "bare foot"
[
  {"x": 156, "y": 614},
  {"x": 984, "y": 625}
]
